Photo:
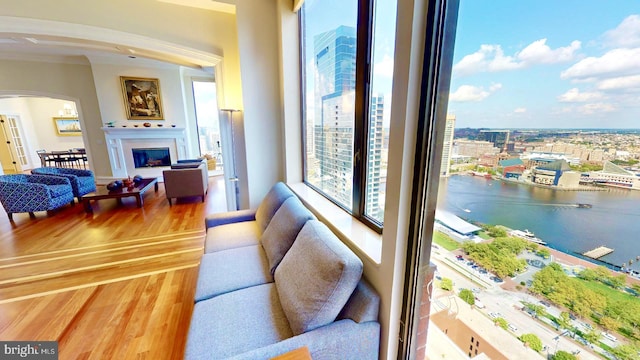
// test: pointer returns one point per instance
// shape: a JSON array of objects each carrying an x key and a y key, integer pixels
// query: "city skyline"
[{"x": 569, "y": 64}]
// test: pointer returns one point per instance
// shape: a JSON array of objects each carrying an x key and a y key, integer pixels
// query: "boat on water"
[
  {"x": 584, "y": 206},
  {"x": 528, "y": 235}
]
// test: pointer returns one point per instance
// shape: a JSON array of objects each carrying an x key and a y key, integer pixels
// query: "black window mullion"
[{"x": 361, "y": 118}]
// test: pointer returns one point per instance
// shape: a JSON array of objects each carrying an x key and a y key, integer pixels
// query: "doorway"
[
  {"x": 13, "y": 157},
  {"x": 208, "y": 125}
]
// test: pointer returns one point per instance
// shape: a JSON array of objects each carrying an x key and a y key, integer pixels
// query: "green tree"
[
  {"x": 609, "y": 323},
  {"x": 592, "y": 336},
  {"x": 531, "y": 246},
  {"x": 618, "y": 281},
  {"x": 502, "y": 323},
  {"x": 496, "y": 232},
  {"x": 467, "y": 296},
  {"x": 532, "y": 341},
  {"x": 564, "y": 320},
  {"x": 626, "y": 352},
  {"x": 446, "y": 284},
  {"x": 588, "y": 274},
  {"x": 543, "y": 253},
  {"x": 563, "y": 355}
]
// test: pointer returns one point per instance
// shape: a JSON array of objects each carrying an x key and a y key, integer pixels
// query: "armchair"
[
  {"x": 186, "y": 179},
  {"x": 29, "y": 193},
  {"x": 82, "y": 181}
]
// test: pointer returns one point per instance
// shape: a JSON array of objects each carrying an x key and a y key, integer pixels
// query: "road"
[{"x": 507, "y": 303}]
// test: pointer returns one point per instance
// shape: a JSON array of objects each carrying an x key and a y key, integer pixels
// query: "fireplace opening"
[{"x": 151, "y": 157}]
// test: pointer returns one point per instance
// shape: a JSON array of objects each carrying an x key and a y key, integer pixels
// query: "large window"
[{"x": 346, "y": 101}]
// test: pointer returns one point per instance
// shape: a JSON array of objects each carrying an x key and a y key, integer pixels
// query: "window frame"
[{"x": 363, "y": 80}]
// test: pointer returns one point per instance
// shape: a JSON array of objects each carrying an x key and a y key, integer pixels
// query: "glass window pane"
[
  {"x": 329, "y": 58},
  {"x": 379, "y": 107}
]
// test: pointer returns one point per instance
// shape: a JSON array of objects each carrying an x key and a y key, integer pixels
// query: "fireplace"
[{"x": 151, "y": 157}]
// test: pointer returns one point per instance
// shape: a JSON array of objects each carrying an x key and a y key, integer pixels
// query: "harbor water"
[{"x": 612, "y": 221}]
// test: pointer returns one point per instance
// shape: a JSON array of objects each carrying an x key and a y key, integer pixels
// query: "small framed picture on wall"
[{"x": 66, "y": 126}]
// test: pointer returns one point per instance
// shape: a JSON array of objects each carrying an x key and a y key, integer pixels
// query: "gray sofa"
[
  {"x": 186, "y": 179},
  {"x": 276, "y": 279}
]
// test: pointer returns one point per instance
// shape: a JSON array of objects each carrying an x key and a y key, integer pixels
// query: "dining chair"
[{"x": 45, "y": 159}]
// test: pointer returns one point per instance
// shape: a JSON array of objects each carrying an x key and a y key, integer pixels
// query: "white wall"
[
  {"x": 36, "y": 122},
  {"x": 262, "y": 104},
  {"x": 70, "y": 82}
]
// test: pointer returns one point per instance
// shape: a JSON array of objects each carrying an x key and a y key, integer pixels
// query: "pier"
[{"x": 598, "y": 252}]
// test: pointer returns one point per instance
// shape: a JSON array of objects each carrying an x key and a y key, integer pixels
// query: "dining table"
[{"x": 64, "y": 158}]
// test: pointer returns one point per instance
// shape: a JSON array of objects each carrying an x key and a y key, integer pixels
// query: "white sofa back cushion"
[{"x": 316, "y": 278}]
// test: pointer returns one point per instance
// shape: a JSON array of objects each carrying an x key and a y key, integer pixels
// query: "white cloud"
[
  {"x": 618, "y": 83},
  {"x": 617, "y": 62},
  {"x": 467, "y": 93},
  {"x": 487, "y": 58},
  {"x": 384, "y": 67},
  {"x": 520, "y": 110},
  {"x": 574, "y": 95},
  {"x": 491, "y": 58},
  {"x": 626, "y": 35},
  {"x": 589, "y": 109},
  {"x": 538, "y": 52}
]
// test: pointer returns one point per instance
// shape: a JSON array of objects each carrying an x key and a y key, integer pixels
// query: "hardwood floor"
[{"x": 115, "y": 284}]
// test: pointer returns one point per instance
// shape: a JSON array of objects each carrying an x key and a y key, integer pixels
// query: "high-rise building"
[
  {"x": 335, "y": 61},
  {"x": 499, "y": 138},
  {"x": 447, "y": 148},
  {"x": 374, "y": 168}
]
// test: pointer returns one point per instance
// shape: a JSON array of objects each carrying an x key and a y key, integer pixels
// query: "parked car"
[
  {"x": 478, "y": 304},
  {"x": 496, "y": 279},
  {"x": 512, "y": 327},
  {"x": 495, "y": 315},
  {"x": 610, "y": 337},
  {"x": 475, "y": 290},
  {"x": 459, "y": 257},
  {"x": 542, "y": 302}
]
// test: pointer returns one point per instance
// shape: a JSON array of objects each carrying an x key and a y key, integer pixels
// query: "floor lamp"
[{"x": 234, "y": 177}]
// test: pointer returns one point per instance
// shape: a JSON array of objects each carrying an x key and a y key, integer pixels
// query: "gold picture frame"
[
  {"x": 142, "y": 98},
  {"x": 67, "y": 126}
]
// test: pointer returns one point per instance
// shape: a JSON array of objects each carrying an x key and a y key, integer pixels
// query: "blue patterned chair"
[
  {"x": 29, "y": 193},
  {"x": 82, "y": 181}
]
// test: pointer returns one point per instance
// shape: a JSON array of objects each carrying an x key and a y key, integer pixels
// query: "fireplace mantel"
[{"x": 120, "y": 141}]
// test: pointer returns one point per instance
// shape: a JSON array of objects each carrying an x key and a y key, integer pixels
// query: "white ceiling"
[{"x": 71, "y": 49}]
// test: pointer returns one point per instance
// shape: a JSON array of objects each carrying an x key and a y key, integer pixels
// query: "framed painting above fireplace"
[{"x": 142, "y": 98}]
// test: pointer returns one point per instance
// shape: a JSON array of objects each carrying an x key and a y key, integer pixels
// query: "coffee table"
[{"x": 103, "y": 193}]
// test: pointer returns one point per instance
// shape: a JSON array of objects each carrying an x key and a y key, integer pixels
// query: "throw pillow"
[
  {"x": 316, "y": 278},
  {"x": 283, "y": 229}
]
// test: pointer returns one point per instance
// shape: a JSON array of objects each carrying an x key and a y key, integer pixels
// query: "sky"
[{"x": 547, "y": 64}]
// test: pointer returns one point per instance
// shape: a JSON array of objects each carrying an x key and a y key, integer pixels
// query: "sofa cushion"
[
  {"x": 228, "y": 270},
  {"x": 283, "y": 229},
  {"x": 59, "y": 190},
  {"x": 271, "y": 203},
  {"x": 316, "y": 278},
  {"x": 236, "y": 322},
  {"x": 230, "y": 236}
]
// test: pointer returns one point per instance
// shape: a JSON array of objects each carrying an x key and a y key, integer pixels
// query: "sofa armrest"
[
  {"x": 342, "y": 339},
  {"x": 229, "y": 217}
]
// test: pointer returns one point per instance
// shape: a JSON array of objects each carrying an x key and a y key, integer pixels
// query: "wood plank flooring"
[{"x": 115, "y": 284}]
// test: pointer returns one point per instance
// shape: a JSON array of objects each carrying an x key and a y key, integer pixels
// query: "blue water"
[{"x": 613, "y": 221}]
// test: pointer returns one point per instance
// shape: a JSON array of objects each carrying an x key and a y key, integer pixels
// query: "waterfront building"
[
  {"x": 456, "y": 227},
  {"x": 474, "y": 148},
  {"x": 613, "y": 175},
  {"x": 447, "y": 147},
  {"x": 512, "y": 168},
  {"x": 551, "y": 173},
  {"x": 537, "y": 158}
]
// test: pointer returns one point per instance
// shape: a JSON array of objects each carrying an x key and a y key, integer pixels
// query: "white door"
[
  {"x": 12, "y": 149},
  {"x": 228, "y": 157}
]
